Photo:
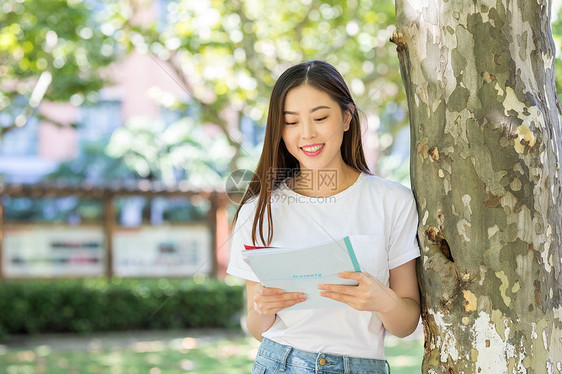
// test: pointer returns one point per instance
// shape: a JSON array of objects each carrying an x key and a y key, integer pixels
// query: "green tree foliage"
[
  {"x": 92, "y": 166},
  {"x": 226, "y": 55},
  {"x": 181, "y": 150},
  {"x": 53, "y": 50}
]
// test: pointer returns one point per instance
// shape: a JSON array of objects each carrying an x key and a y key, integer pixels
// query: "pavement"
[
  {"x": 117, "y": 339},
  {"x": 122, "y": 339}
]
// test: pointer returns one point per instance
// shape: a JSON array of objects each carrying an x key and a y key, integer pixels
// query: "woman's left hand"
[{"x": 369, "y": 295}]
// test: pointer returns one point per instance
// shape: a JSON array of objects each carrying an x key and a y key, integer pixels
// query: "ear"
[{"x": 347, "y": 116}]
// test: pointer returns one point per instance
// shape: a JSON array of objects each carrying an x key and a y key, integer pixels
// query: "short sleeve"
[
  {"x": 242, "y": 234},
  {"x": 403, "y": 244}
]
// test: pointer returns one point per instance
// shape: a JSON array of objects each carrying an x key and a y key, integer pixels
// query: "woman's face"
[{"x": 314, "y": 127}]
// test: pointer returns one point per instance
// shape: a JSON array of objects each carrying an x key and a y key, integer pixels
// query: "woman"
[{"x": 312, "y": 183}]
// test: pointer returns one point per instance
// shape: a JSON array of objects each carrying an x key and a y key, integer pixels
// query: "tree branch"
[
  {"x": 186, "y": 85},
  {"x": 257, "y": 65}
]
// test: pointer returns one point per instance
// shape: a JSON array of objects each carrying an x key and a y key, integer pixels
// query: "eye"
[
  {"x": 321, "y": 119},
  {"x": 290, "y": 123}
]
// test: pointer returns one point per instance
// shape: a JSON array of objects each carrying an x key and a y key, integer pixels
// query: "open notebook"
[{"x": 302, "y": 269}]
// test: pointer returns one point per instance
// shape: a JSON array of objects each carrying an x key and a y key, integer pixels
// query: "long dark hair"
[{"x": 276, "y": 163}]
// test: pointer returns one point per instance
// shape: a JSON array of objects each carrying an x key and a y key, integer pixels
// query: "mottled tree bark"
[{"x": 485, "y": 166}]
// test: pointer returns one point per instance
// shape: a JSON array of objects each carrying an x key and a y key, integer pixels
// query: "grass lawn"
[{"x": 169, "y": 352}]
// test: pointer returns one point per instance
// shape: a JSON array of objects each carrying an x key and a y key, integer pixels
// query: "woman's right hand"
[{"x": 268, "y": 301}]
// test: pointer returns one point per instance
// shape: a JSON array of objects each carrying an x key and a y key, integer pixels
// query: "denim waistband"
[{"x": 320, "y": 362}]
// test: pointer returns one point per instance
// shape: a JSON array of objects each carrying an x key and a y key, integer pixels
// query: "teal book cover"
[{"x": 303, "y": 269}]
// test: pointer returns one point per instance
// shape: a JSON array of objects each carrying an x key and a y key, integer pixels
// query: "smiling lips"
[{"x": 312, "y": 150}]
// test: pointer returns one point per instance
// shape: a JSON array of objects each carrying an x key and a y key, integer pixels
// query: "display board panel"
[
  {"x": 53, "y": 251},
  {"x": 162, "y": 251},
  {"x": 40, "y": 251}
]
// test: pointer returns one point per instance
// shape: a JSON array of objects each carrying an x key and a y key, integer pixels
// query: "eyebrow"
[{"x": 312, "y": 111}]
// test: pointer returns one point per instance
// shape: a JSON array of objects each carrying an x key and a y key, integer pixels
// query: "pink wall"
[
  {"x": 56, "y": 142},
  {"x": 133, "y": 77}
]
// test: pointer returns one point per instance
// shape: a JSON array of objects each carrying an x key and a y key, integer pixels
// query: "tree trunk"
[{"x": 485, "y": 167}]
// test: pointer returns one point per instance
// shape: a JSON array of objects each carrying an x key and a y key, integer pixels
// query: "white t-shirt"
[{"x": 381, "y": 220}]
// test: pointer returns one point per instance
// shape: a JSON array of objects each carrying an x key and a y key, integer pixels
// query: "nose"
[{"x": 308, "y": 129}]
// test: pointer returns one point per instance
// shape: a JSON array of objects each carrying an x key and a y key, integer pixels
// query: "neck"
[{"x": 323, "y": 182}]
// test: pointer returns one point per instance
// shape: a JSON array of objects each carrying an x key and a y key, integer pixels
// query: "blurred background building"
[
  {"x": 122, "y": 121},
  {"x": 55, "y": 231}
]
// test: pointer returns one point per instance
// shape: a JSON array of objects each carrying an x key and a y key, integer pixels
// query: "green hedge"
[{"x": 31, "y": 306}]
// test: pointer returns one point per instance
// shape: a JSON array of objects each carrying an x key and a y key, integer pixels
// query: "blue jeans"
[{"x": 273, "y": 358}]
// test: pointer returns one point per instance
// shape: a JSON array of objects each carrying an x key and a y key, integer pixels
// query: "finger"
[
  {"x": 273, "y": 307},
  {"x": 352, "y": 275},
  {"x": 340, "y": 289},
  {"x": 361, "y": 277},
  {"x": 280, "y": 298},
  {"x": 294, "y": 295},
  {"x": 288, "y": 303},
  {"x": 262, "y": 290},
  {"x": 277, "y": 305},
  {"x": 266, "y": 309},
  {"x": 336, "y": 296}
]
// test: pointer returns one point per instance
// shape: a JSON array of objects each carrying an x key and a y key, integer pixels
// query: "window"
[
  {"x": 253, "y": 133},
  {"x": 20, "y": 141},
  {"x": 97, "y": 122},
  {"x": 170, "y": 116}
]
